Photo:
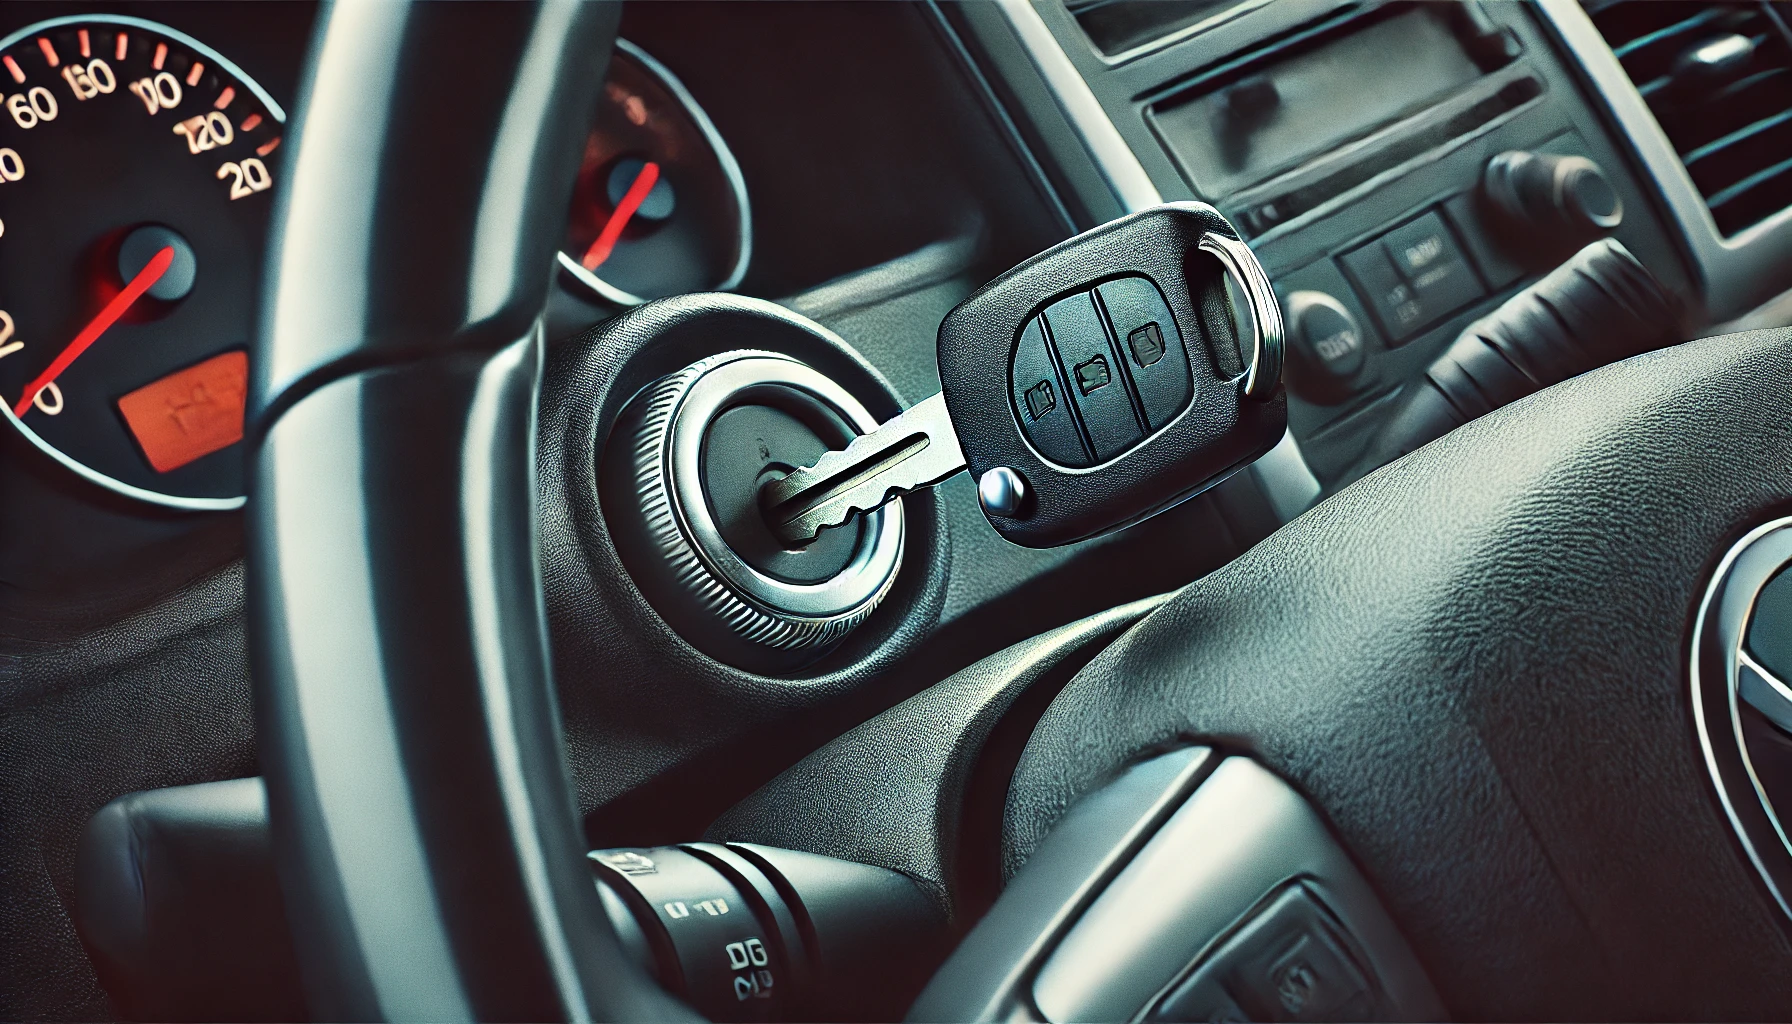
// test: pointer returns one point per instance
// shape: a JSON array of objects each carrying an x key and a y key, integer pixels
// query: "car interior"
[{"x": 1012, "y": 510}]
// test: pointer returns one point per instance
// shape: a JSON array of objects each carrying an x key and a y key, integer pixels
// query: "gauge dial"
[
  {"x": 661, "y": 208},
  {"x": 136, "y": 171}
]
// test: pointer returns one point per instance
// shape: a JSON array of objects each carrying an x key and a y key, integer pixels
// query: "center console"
[{"x": 1399, "y": 168}]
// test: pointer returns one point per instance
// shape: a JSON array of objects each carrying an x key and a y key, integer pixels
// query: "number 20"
[
  {"x": 251, "y": 176},
  {"x": 49, "y": 397},
  {"x": 7, "y": 345}
]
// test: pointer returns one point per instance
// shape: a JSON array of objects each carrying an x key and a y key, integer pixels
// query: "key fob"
[{"x": 1115, "y": 375}]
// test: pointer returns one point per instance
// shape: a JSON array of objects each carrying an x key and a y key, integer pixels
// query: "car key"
[
  {"x": 913, "y": 450},
  {"x": 1098, "y": 383}
]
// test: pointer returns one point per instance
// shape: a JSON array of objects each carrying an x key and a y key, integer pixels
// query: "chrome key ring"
[{"x": 1268, "y": 342}]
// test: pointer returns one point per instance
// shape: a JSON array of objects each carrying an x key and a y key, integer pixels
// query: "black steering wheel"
[
  {"x": 1474, "y": 661},
  {"x": 427, "y": 839}
]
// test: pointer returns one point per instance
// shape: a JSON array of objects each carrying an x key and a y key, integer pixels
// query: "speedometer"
[
  {"x": 660, "y": 207},
  {"x": 136, "y": 170}
]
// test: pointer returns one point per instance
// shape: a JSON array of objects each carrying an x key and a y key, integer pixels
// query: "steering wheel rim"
[{"x": 426, "y": 839}]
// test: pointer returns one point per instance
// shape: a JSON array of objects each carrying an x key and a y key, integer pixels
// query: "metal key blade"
[{"x": 914, "y": 450}]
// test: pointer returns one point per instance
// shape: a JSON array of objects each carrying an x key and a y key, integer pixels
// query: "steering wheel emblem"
[{"x": 1741, "y": 666}]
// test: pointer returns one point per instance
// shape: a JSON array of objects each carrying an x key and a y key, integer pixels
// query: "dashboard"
[
  {"x": 1227, "y": 109},
  {"x": 864, "y": 166}
]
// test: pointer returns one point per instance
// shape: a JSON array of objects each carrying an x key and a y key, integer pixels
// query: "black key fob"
[{"x": 1115, "y": 375}]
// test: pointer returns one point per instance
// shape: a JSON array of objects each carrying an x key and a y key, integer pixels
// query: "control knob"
[
  {"x": 1551, "y": 200},
  {"x": 1330, "y": 346}
]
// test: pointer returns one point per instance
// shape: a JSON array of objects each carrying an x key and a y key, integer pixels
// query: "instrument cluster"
[{"x": 139, "y": 165}]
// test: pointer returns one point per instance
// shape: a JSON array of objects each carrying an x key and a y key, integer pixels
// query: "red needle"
[
  {"x": 144, "y": 281},
  {"x": 631, "y": 201}
]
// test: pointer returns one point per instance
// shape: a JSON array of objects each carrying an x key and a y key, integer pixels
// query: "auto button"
[
  {"x": 1395, "y": 303},
  {"x": 1414, "y": 276},
  {"x": 1426, "y": 255}
]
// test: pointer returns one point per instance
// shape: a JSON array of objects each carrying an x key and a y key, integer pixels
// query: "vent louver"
[{"x": 1718, "y": 77}]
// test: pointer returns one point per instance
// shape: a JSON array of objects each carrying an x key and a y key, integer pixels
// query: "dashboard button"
[
  {"x": 1151, "y": 345},
  {"x": 1414, "y": 276},
  {"x": 1327, "y": 337},
  {"x": 1041, "y": 401},
  {"x": 1098, "y": 388},
  {"x": 1292, "y": 962},
  {"x": 1394, "y": 301},
  {"x": 1427, "y": 256}
]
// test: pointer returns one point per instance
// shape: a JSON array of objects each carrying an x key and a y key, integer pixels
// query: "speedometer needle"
[
  {"x": 644, "y": 181},
  {"x": 133, "y": 290}
]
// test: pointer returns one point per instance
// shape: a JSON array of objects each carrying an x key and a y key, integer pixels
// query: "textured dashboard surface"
[
  {"x": 895, "y": 791},
  {"x": 160, "y": 698},
  {"x": 1474, "y": 661}
]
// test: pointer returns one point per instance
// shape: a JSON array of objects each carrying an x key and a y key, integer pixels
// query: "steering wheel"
[
  {"x": 427, "y": 839},
  {"x": 1473, "y": 662}
]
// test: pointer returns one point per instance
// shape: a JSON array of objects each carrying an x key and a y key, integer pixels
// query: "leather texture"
[
  {"x": 893, "y": 792},
  {"x": 178, "y": 905},
  {"x": 1474, "y": 662},
  {"x": 159, "y": 698}
]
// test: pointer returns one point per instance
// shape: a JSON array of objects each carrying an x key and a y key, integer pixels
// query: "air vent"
[{"x": 1719, "y": 78}]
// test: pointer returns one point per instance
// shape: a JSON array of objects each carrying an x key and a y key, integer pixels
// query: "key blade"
[{"x": 914, "y": 450}]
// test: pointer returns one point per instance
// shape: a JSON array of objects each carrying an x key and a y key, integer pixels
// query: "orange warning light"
[{"x": 190, "y": 413}]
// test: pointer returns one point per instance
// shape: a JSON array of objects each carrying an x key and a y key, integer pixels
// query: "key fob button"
[
  {"x": 1151, "y": 345},
  {"x": 1106, "y": 337},
  {"x": 1042, "y": 401},
  {"x": 1098, "y": 383}
]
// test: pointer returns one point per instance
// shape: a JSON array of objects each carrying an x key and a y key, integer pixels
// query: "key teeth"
[
  {"x": 920, "y": 439},
  {"x": 782, "y": 491},
  {"x": 787, "y": 534}
]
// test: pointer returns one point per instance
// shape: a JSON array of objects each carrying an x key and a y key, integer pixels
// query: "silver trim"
[
  {"x": 1268, "y": 338},
  {"x": 1770, "y": 697},
  {"x": 667, "y": 451},
  {"x": 94, "y": 476},
  {"x": 1717, "y": 637},
  {"x": 1170, "y": 39},
  {"x": 1287, "y": 481},
  {"x": 730, "y": 170},
  {"x": 1113, "y": 157},
  {"x": 1733, "y": 273}
]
